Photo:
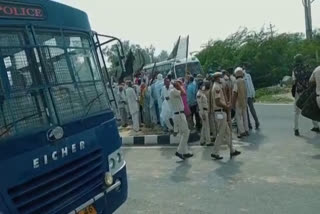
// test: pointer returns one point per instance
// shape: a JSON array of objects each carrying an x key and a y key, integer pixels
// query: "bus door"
[{"x": 102, "y": 43}]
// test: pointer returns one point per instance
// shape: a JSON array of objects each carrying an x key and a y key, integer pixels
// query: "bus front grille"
[{"x": 53, "y": 191}]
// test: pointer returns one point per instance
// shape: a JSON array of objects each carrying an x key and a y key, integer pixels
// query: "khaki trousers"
[
  {"x": 242, "y": 120},
  {"x": 212, "y": 123},
  {"x": 205, "y": 130},
  {"x": 223, "y": 133}
]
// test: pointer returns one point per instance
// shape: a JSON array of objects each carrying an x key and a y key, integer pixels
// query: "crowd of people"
[{"x": 209, "y": 105}]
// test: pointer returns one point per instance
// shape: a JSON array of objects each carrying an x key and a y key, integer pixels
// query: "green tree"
[{"x": 269, "y": 56}]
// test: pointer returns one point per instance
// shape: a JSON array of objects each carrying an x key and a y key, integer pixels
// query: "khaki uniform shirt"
[
  {"x": 240, "y": 89},
  {"x": 315, "y": 77},
  {"x": 217, "y": 92},
  {"x": 202, "y": 101}
]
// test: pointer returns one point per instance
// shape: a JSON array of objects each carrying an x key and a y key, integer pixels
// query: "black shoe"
[
  {"x": 188, "y": 155},
  {"x": 247, "y": 134},
  {"x": 210, "y": 144},
  {"x": 216, "y": 157},
  {"x": 296, "y": 133},
  {"x": 180, "y": 156},
  {"x": 250, "y": 127},
  {"x": 202, "y": 144},
  {"x": 315, "y": 130},
  {"x": 257, "y": 126},
  {"x": 235, "y": 153},
  {"x": 242, "y": 135}
]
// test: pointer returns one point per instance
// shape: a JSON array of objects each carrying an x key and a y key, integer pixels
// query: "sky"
[{"x": 160, "y": 22}]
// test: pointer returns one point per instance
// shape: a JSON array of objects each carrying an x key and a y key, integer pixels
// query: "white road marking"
[{"x": 236, "y": 143}]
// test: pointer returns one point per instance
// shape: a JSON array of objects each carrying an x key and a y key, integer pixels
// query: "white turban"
[
  {"x": 159, "y": 77},
  {"x": 238, "y": 72}
]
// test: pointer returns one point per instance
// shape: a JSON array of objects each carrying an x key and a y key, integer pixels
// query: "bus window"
[
  {"x": 193, "y": 68},
  {"x": 86, "y": 96},
  {"x": 23, "y": 110}
]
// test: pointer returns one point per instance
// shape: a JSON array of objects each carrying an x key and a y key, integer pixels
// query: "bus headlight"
[
  {"x": 115, "y": 161},
  {"x": 108, "y": 179},
  {"x": 119, "y": 157},
  {"x": 111, "y": 163}
]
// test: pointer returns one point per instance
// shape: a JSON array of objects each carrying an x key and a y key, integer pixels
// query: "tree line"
[
  {"x": 135, "y": 55},
  {"x": 268, "y": 55}
]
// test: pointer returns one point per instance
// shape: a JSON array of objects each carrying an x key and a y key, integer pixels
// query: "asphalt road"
[{"x": 277, "y": 173}]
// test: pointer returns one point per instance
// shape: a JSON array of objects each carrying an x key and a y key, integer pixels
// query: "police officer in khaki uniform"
[
  {"x": 239, "y": 102},
  {"x": 180, "y": 120},
  {"x": 203, "y": 106},
  {"x": 212, "y": 123},
  {"x": 221, "y": 107}
]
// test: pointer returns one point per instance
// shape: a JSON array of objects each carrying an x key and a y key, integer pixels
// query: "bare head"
[
  {"x": 129, "y": 84},
  {"x": 167, "y": 82}
]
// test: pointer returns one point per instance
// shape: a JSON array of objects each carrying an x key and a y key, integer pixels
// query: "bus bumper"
[{"x": 112, "y": 198}]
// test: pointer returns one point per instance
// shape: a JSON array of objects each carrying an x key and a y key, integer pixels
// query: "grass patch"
[
  {"x": 274, "y": 95},
  {"x": 274, "y": 99}
]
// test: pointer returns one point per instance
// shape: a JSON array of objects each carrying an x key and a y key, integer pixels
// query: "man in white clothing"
[
  {"x": 132, "y": 101},
  {"x": 180, "y": 120},
  {"x": 122, "y": 104},
  {"x": 166, "y": 112},
  {"x": 251, "y": 93}
]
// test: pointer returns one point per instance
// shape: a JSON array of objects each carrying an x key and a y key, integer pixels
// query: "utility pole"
[
  {"x": 308, "y": 17},
  {"x": 271, "y": 30}
]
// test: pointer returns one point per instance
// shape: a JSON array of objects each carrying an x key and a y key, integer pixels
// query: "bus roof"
[
  {"x": 44, "y": 13},
  {"x": 177, "y": 62}
]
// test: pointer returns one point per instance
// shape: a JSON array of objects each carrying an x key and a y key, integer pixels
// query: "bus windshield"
[
  {"x": 47, "y": 78},
  {"x": 193, "y": 68}
]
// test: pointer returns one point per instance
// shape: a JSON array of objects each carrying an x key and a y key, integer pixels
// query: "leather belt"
[
  {"x": 220, "y": 110},
  {"x": 318, "y": 95},
  {"x": 205, "y": 109},
  {"x": 179, "y": 112}
]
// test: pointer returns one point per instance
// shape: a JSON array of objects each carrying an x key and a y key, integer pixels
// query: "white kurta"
[
  {"x": 133, "y": 108},
  {"x": 132, "y": 100},
  {"x": 166, "y": 112}
]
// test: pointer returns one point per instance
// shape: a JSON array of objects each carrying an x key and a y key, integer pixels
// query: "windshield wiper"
[
  {"x": 90, "y": 104},
  {"x": 11, "y": 125}
]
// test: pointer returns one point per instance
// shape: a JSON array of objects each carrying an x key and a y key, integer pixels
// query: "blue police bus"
[{"x": 60, "y": 150}]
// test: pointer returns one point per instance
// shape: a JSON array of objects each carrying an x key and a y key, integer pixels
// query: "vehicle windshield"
[
  {"x": 47, "y": 78},
  {"x": 194, "y": 68}
]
